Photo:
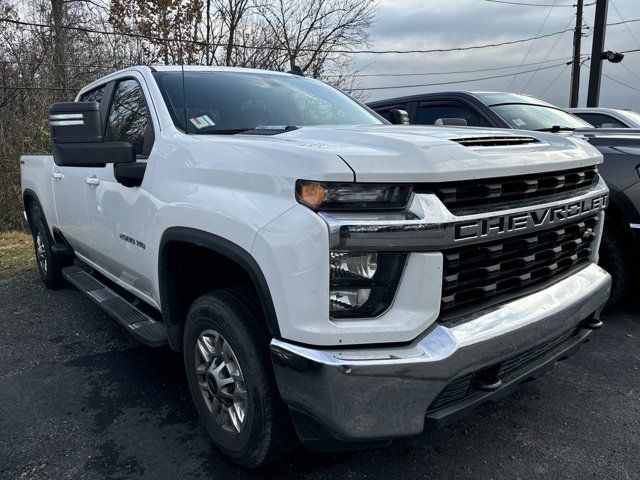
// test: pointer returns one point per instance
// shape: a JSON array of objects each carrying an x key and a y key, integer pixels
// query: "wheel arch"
[{"x": 179, "y": 247}]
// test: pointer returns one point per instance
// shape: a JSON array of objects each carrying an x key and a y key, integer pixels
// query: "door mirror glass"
[{"x": 399, "y": 117}]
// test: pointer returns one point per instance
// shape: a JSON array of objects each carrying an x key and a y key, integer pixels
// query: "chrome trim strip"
[
  {"x": 66, "y": 116},
  {"x": 65, "y": 123},
  {"x": 437, "y": 228},
  {"x": 635, "y": 225}
]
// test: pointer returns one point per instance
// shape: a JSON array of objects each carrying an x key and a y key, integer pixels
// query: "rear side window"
[
  {"x": 600, "y": 120},
  {"x": 428, "y": 114},
  {"x": 129, "y": 119}
]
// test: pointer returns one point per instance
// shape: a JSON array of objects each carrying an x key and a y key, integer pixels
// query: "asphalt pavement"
[{"x": 80, "y": 399}]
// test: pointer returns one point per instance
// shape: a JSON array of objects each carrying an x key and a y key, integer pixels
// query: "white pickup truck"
[{"x": 327, "y": 276}]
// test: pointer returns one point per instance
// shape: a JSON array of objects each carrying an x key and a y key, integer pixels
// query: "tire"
[
  {"x": 613, "y": 260},
  {"x": 265, "y": 433},
  {"x": 49, "y": 266}
]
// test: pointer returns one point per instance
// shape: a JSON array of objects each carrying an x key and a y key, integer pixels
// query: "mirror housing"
[
  {"x": 76, "y": 135},
  {"x": 454, "y": 122},
  {"x": 399, "y": 117}
]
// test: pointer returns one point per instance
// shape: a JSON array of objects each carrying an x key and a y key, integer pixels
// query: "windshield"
[
  {"x": 219, "y": 102},
  {"x": 530, "y": 116}
]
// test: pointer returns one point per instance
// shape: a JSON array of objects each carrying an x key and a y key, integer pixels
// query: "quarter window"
[{"x": 129, "y": 119}]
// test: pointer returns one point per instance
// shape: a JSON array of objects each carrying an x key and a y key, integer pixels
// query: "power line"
[
  {"x": 626, "y": 23},
  {"x": 554, "y": 80},
  {"x": 266, "y": 47},
  {"x": 617, "y": 81},
  {"x": 392, "y": 87},
  {"x": 545, "y": 57},
  {"x": 525, "y": 4},
  {"x": 477, "y": 70},
  {"x": 524, "y": 59}
]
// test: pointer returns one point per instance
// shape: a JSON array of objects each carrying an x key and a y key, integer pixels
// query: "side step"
[{"x": 144, "y": 328}]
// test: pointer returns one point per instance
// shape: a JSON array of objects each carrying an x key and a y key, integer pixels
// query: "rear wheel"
[
  {"x": 49, "y": 266},
  {"x": 231, "y": 380},
  {"x": 613, "y": 260}
]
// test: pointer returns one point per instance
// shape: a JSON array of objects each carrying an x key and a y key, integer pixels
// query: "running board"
[{"x": 144, "y": 328}]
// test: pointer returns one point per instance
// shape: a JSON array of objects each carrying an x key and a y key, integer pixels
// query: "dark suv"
[{"x": 619, "y": 252}]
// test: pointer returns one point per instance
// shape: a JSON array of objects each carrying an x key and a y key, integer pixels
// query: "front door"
[{"x": 118, "y": 216}]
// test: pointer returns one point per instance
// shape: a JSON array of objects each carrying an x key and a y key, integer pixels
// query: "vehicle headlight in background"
[
  {"x": 352, "y": 196},
  {"x": 363, "y": 284}
]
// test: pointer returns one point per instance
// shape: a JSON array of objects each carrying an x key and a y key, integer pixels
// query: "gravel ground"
[{"x": 80, "y": 399}]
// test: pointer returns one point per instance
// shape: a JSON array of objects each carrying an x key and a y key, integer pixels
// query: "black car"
[{"x": 619, "y": 252}]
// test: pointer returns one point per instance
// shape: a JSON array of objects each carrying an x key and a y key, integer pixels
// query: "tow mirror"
[
  {"x": 399, "y": 117},
  {"x": 76, "y": 135},
  {"x": 454, "y": 122}
]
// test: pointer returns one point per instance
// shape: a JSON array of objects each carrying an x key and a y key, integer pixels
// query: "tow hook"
[
  {"x": 593, "y": 322},
  {"x": 488, "y": 380}
]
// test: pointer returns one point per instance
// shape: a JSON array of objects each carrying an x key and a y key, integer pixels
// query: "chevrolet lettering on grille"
[{"x": 540, "y": 218}]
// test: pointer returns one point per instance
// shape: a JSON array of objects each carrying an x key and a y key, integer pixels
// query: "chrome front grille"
[
  {"x": 481, "y": 275},
  {"x": 481, "y": 194}
]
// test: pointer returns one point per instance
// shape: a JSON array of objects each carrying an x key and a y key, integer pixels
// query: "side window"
[
  {"x": 428, "y": 114},
  {"x": 129, "y": 119},
  {"x": 94, "y": 95},
  {"x": 600, "y": 120}
]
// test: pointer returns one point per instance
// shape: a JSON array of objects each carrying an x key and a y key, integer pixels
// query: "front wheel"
[{"x": 231, "y": 381}]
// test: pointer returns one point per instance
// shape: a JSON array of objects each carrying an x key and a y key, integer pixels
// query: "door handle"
[
  {"x": 57, "y": 175},
  {"x": 92, "y": 181}
]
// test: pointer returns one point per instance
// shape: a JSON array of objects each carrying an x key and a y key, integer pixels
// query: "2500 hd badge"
[{"x": 534, "y": 219}]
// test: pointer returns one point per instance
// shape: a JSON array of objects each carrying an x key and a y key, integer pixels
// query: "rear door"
[
  {"x": 119, "y": 215},
  {"x": 68, "y": 193}
]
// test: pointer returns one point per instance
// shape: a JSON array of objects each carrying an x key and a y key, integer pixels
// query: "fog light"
[
  {"x": 348, "y": 299},
  {"x": 363, "y": 284}
]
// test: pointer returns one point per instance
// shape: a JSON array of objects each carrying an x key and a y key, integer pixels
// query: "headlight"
[
  {"x": 352, "y": 196},
  {"x": 363, "y": 284}
]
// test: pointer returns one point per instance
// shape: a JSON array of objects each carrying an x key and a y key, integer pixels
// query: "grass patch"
[{"x": 16, "y": 253}]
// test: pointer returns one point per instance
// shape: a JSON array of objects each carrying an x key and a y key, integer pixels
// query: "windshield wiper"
[
  {"x": 555, "y": 129},
  {"x": 258, "y": 130},
  {"x": 229, "y": 131}
]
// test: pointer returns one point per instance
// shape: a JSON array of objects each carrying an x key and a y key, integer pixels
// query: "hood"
[
  {"x": 407, "y": 153},
  {"x": 403, "y": 153}
]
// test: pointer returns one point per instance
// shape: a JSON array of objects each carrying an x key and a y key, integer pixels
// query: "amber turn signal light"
[{"x": 311, "y": 194}]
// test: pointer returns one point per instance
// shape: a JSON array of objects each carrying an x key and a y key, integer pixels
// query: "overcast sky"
[{"x": 428, "y": 24}]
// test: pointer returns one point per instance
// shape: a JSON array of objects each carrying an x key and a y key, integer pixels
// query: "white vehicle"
[
  {"x": 326, "y": 275},
  {"x": 607, "y": 117}
]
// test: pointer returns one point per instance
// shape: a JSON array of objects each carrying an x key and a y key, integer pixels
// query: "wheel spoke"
[{"x": 221, "y": 381}]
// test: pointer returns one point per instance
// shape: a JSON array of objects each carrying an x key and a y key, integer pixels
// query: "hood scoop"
[{"x": 495, "y": 141}]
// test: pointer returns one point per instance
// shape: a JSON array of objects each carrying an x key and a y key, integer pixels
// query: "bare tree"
[{"x": 311, "y": 32}]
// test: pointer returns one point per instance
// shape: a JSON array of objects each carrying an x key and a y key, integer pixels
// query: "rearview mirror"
[
  {"x": 76, "y": 135},
  {"x": 399, "y": 117}
]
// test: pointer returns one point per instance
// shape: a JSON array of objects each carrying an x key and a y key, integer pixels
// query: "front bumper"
[{"x": 369, "y": 394}]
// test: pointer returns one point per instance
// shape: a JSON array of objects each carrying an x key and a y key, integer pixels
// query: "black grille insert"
[
  {"x": 481, "y": 275},
  {"x": 479, "y": 194},
  {"x": 463, "y": 387}
]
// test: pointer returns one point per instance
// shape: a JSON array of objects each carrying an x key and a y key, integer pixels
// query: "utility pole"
[
  {"x": 599, "y": 30},
  {"x": 575, "y": 67}
]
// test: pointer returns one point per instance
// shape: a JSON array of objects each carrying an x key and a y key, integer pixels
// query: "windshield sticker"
[
  {"x": 202, "y": 122},
  {"x": 519, "y": 122}
]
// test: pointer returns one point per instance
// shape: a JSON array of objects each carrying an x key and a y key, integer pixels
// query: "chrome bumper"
[{"x": 360, "y": 394}]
